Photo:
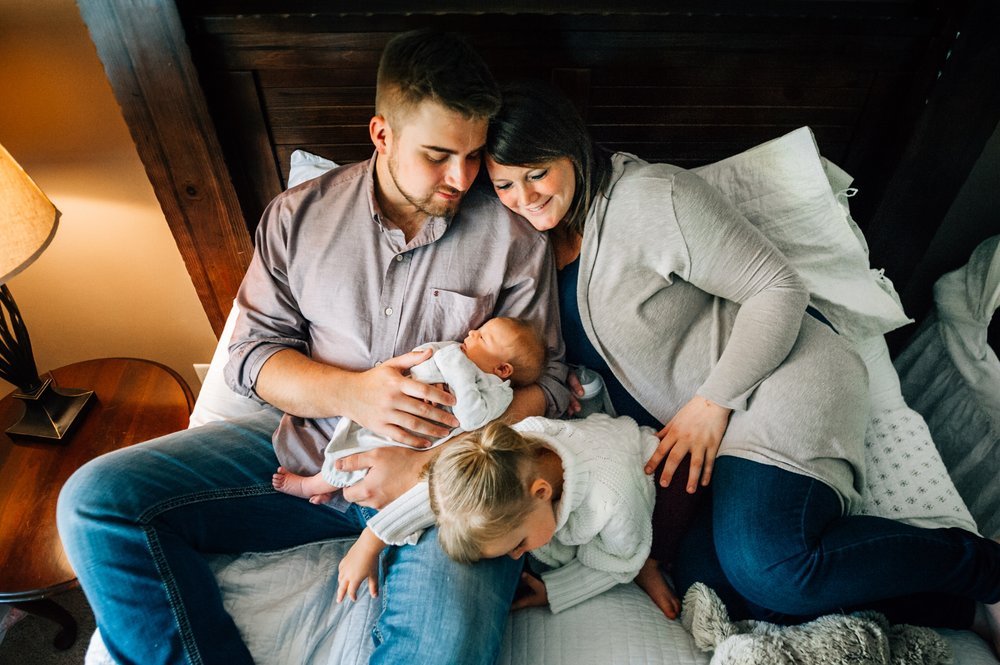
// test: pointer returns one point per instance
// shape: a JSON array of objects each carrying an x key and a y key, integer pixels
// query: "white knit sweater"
[{"x": 603, "y": 529}]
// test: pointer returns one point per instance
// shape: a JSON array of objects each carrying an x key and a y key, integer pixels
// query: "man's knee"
[
  {"x": 97, "y": 490},
  {"x": 470, "y": 604}
]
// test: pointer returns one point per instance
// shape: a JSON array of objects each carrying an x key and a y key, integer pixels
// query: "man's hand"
[
  {"x": 360, "y": 562},
  {"x": 388, "y": 402},
  {"x": 532, "y": 593},
  {"x": 697, "y": 429},
  {"x": 391, "y": 472},
  {"x": 383, "y": 398}
]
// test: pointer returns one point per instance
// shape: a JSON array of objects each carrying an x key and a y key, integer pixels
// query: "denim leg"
[
  {"x": 783, "y": 544},
  {"x": 136, "y": 522},
  {"x": 435, "y": 610},
  {"x": 696, "y": 561}
]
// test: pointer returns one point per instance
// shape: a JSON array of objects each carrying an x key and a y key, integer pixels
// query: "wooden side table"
[{"x": 135, "y": 400}]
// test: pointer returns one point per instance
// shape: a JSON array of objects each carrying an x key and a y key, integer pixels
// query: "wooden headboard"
[{"x": 218, "y": 93}]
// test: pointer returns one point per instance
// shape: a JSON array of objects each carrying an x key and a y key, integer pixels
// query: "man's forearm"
[{"x": 301, "y": 386}]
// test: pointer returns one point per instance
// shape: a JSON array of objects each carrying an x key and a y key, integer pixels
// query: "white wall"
[{"x": 112, "y": 283}]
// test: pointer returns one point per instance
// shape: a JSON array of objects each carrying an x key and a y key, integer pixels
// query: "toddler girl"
[{"x": 573, "y": 493}]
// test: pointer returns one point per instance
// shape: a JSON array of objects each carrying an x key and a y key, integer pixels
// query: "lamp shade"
[{"x": 28, "y": 220}]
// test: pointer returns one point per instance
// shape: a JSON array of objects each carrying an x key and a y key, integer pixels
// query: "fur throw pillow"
[{"x": 863, "y": 638}]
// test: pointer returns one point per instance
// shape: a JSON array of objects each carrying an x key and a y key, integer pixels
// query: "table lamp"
[{"x": 28, "y": 221}]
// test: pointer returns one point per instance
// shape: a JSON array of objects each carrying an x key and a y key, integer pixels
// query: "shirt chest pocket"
[{"x": 451, "y": 315}]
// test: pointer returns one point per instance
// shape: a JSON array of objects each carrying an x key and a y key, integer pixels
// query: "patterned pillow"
[{"x": 906, "y": 479}]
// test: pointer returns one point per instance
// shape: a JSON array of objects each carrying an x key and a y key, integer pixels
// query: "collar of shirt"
[{"x": 432, "y": 229}]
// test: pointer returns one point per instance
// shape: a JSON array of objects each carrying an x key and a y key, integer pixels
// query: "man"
[{"x": 351, "y": 271}]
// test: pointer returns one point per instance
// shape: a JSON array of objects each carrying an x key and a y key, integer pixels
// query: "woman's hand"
[
  {"x": 360, "y": 562},
  {"x": 536, "y": 595},
  {"x": 696, "y": 429}
]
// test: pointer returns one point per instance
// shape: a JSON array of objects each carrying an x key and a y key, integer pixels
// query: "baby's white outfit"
[
  {"x": 603, "y": 518},
  {"x": 480, "y": 397}
]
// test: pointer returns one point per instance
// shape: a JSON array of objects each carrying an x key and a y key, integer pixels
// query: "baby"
[
  {"x": 478, "y": 372},
  {"x": 573, "y": 493}
]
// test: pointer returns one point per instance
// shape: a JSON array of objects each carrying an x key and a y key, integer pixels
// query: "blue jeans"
[
  {"x": 775, "y": 546},
  {"x": 136, "y": 522}
]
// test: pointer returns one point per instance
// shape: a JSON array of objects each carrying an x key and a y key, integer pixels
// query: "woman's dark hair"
[{"x": 537, "y": 124}]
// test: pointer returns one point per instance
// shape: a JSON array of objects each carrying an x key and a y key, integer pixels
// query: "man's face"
[{"x": 433, "y": 156}]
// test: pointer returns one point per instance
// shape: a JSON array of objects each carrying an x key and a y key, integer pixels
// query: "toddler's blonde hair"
[{"x": 479, "y": 488}]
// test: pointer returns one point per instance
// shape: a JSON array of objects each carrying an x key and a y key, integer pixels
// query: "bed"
[{"x": 219, "y": 94}]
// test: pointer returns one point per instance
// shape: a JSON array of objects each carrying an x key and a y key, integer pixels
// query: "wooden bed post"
[{"x": 142, "y": 46}]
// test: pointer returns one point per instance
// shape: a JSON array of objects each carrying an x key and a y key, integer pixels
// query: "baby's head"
[
  {"x": 489, "y": 495},
  {"x": 510, "y": 348}
]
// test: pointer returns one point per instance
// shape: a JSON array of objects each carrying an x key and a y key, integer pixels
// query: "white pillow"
[
  {"x": 783, "y": 188},
  {"x": 216, "y": 400},
  {"x": 306, "y": 166}
]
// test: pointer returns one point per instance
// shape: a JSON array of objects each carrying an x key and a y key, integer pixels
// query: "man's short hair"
[{"x": 439, "y": 66}]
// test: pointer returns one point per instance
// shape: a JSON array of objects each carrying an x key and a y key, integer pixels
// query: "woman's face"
[{"x": 541, "y": 194}]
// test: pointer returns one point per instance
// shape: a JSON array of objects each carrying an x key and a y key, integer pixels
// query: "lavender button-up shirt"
[{"x": 333, "y": 279}]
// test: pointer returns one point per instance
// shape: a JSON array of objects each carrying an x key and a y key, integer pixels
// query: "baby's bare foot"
[{"x": 290, "y": 483}]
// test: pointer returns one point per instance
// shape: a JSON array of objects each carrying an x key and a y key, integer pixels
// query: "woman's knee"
[{"x": 789, "y": 586}]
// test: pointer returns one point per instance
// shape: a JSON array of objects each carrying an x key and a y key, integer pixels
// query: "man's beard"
[{"x": 427, "y": 205}]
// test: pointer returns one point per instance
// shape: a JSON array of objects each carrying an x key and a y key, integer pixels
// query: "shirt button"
[
  {"x": 399, "y": 257},
  {"x": 388, "y": 311},
  {"x": 378, "y": 362}
]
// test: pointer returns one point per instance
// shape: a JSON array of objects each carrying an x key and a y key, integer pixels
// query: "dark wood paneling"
[{"x": 671, "y": 87}]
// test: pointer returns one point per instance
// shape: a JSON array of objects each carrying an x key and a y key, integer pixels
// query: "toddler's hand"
[
  {"x": 360, "y": 562},
  {"x": 651, "y": 581},
  {"x": 536, "y": 595}
]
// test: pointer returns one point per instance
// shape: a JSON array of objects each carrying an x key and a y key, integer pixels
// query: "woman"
[{"x": 698, "y": 326}]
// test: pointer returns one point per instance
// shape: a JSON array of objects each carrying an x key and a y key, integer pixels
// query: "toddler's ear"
[
  {"x": 541, "y": 489},
  {"x": 504, "y": 370}
]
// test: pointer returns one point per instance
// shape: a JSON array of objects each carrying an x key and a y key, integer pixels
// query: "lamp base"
[{"x": 50, "y": 412}]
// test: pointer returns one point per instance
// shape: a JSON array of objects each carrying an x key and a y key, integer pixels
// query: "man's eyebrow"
[{"x": 437, "y": 148}]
